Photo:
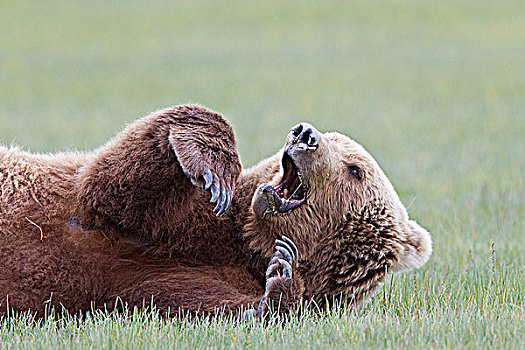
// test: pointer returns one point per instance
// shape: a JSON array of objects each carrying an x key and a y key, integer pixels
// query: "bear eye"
[{"x": 355, "y": 171}]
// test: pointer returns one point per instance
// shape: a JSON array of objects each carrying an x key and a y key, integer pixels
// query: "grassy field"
[{"x": 435, "y": 90}]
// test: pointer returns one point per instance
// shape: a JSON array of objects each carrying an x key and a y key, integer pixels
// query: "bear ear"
[{"x": 416, "y": 248}]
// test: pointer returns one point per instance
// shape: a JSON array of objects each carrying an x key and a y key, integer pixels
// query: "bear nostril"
[
  {"x": 312, "y": 140},
  {"x": 296, "y": 130},
  {"x": 306, "y": 136}
]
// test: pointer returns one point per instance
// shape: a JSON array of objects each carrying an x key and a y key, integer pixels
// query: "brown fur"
[{"x": 125, "y": 221}]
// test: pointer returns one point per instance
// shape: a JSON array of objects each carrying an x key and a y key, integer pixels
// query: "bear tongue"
[{"x": 285, "y": 193}]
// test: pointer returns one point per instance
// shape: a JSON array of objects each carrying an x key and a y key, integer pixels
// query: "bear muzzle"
[{"x": 303, "y": 136}]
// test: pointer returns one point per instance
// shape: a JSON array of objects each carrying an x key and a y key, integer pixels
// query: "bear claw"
[
  {"x": 219, "y": 192},
  {"x": 220, "y": 201},
  {"x": 293, "y": 246},
  {"x": 290, "y": 246},
  {"x": 218, "y": 189},
  {"x": 208, "y": 178},
  {"x": 285, "y": 253},
  {"x": 280, "y": 268},
  {"x": 215, "y": 192}
]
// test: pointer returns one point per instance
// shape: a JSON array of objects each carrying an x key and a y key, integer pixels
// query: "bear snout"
[{"x": 304, "y": 136}]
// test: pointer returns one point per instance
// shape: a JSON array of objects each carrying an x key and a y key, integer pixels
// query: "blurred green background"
[{"x": 435, "y": 90}]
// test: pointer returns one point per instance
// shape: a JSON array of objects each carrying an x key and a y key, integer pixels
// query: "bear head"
[{"x": 329, "y": 188}]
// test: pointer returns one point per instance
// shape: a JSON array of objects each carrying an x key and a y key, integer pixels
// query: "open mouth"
[{"x": 291, "y": 191}]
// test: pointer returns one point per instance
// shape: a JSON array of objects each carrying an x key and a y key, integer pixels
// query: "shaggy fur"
[{"x": 126, "y": 223}]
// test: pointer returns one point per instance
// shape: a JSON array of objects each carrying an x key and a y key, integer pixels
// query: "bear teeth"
[{"x": 291, "y": 191}]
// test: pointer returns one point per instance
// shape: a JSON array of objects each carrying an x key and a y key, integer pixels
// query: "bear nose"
[{"x": 307, "y": 134}]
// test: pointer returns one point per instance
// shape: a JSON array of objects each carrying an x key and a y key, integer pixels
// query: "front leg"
[
  {"x": 141, "y": 181},
  {"x": 282, "y": 291}
]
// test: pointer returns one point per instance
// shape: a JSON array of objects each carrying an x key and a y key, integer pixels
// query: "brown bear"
[{"x": 132, "y": 224}]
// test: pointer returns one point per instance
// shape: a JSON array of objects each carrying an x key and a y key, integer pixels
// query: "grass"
[{"x": 434, "y": 90}]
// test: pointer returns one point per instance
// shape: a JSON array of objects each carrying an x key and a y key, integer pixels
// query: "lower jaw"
[
  {"x": 268, "y": 203},
  {"x": 278, "y": 212}
]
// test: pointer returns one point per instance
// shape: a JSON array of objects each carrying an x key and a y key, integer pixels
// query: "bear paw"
[
  {"x": 279, "y": 276},
  {"x": 214, "y": 171}
]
